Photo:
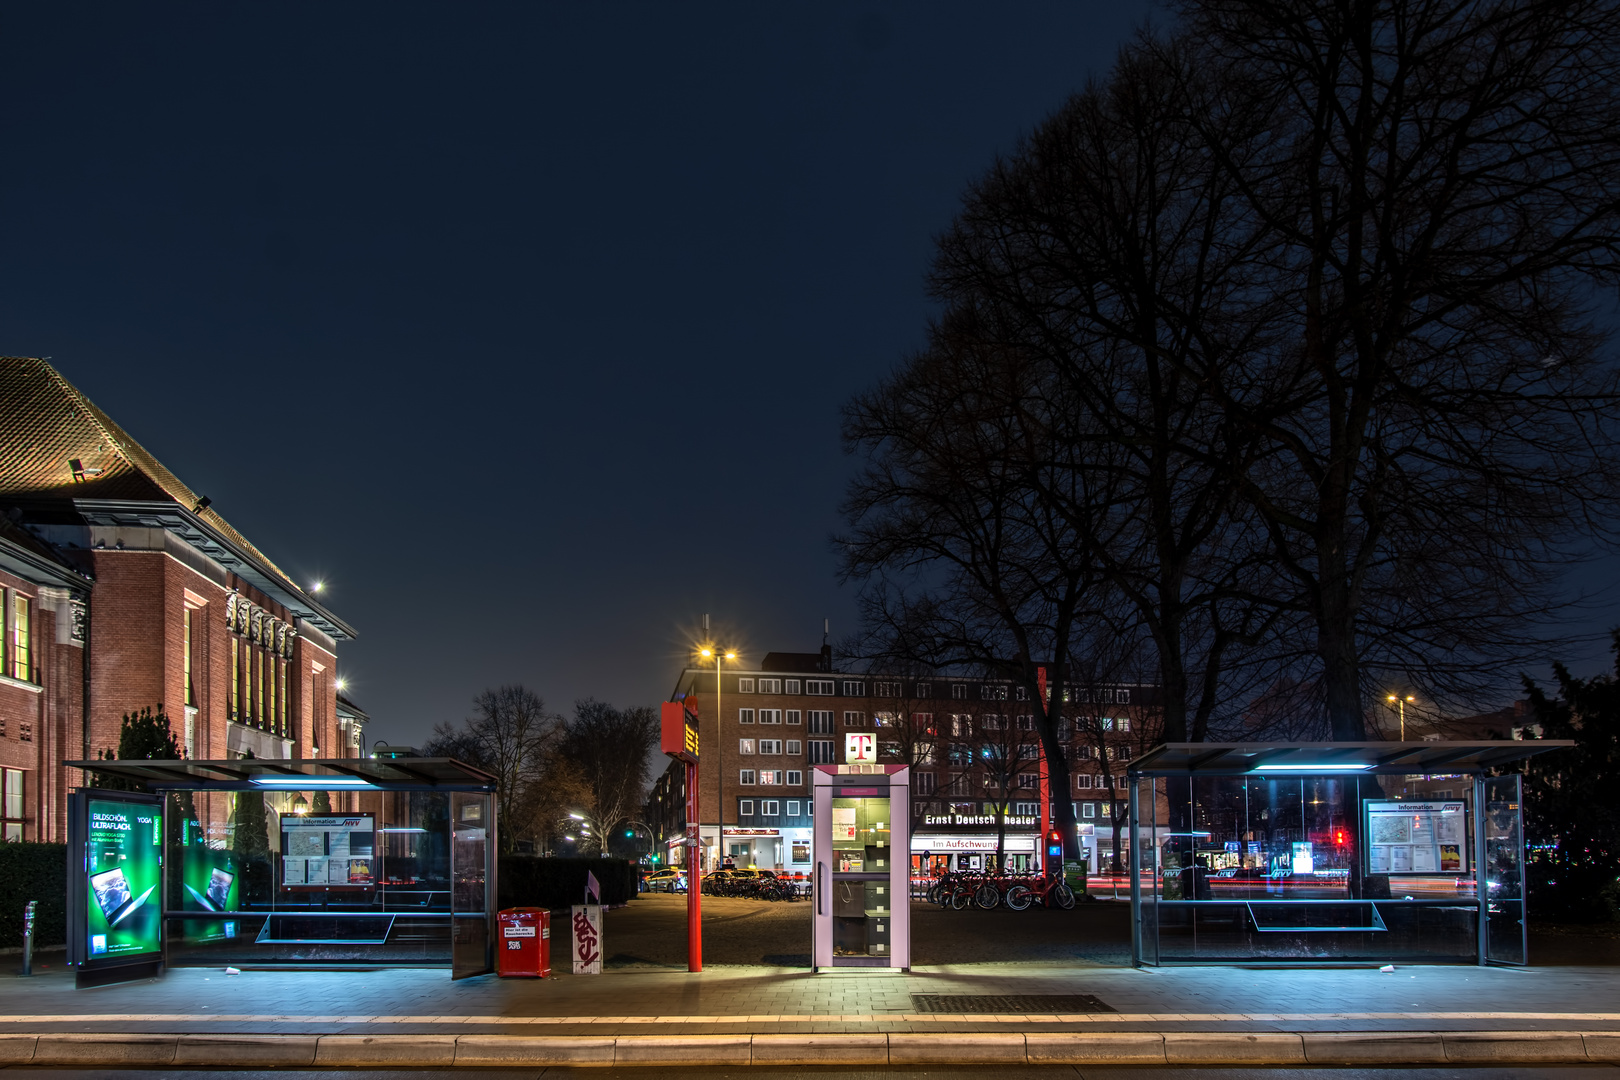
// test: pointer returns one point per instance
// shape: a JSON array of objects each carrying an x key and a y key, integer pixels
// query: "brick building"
[
  {"x": 124, "y": 589},
  {"x": 972, "y": 749}
]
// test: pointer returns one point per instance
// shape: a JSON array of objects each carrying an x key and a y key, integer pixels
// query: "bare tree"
[
  {"x": 1438, "y": 195},
  {"x": 511, "y": 735},
  {"x": 609, "y": 748}
]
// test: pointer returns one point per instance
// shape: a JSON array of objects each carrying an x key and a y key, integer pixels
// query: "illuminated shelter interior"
[
  {"x": 1329, "y": 852},
  {"x": 324, "y": 861}
]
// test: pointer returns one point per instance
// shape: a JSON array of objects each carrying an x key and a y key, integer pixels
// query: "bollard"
[{"x": 28, "y": 937}]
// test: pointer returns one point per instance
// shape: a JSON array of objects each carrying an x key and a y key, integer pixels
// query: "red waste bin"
[{"x": 525, "y": 948}]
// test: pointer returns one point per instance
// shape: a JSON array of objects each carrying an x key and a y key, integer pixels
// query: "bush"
[
  {"x": 529, "y": 881},
  {"x": 33, "y": 872}
]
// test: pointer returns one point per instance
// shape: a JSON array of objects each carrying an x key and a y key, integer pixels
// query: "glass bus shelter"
[
  {"x": 323, "y": 862},
  {"x": 1328, "y": 852}
]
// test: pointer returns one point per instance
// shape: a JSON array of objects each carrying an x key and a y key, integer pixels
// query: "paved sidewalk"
[{"x": 787, "y": 1001}]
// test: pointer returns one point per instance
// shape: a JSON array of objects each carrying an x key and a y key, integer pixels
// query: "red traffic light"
[
  {"x": 1054, "y": 837},
  {"x": 1338, "y": 836}
]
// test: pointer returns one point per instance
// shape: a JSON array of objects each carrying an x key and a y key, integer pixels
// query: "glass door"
[
  {"x": 1504, "y": 871},
  {"x": 470, "y": 838}
]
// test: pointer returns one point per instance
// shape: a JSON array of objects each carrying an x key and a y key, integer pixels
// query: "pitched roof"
[{"x": 48, "y": 425}]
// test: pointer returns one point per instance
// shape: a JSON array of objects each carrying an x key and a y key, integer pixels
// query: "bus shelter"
[
  {"x": 1329, "y": 852},
  {"x": 319, "y": 862}
]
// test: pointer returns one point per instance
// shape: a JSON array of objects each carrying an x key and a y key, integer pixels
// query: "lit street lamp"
[
  {"x": 1400, "y": 703},
  {"x": 716, "y": 653}
]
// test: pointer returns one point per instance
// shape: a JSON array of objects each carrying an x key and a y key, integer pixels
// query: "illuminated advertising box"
[
  {"x": 1417, "y": 837},
  {"x": 115, "y": 855}
]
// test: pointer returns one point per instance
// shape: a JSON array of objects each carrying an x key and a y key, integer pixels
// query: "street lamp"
[
  {"x": 717, "y": 654},
  {"x": 1400, "y": 703}
]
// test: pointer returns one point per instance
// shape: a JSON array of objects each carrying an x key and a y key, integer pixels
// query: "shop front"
[
  {"x": 784, "y": 850},
  {"x": 284, "y": 862}
]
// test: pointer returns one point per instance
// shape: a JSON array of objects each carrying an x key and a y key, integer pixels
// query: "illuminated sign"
[
  {"x": 860, "y": 748},
  {"x": 678, "y": 729},
  {"x": 123, "y": 864}
]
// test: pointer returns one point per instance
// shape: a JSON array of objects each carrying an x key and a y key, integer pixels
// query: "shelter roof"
[
  {"x": 305, "y": 774},
  {"x": 1304, "y": 758}
]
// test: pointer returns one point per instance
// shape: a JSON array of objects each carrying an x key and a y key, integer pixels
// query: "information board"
[
  {"x": 1417, "y": 837},
  {"x": 123, "y": 867},
  {"x": 328, "y": 851}
]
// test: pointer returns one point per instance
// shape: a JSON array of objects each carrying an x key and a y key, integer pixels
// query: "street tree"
[
  {"x": 609, "y": 750},
  {"x": 511, "y": 735}
]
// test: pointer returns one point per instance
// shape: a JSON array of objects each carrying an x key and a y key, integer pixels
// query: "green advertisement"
[
  {"x": 209, "y": 881},
  {"x": 124, "y": 857}
]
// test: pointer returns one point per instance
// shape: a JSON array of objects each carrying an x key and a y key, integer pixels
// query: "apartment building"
[{"x": 972, "y": 747}]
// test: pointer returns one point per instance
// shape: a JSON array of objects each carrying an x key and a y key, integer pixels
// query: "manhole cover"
[{"x": 1044, "y": 1004}]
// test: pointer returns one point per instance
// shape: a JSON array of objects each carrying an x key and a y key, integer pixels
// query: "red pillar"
[{"x": 694, "y": 883}]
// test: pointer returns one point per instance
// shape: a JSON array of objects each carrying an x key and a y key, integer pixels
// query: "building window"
[
  {"x": 745, "y": 716},
  {"x": 923, "y": 783},
  {"x": 1026, "y": 723},
  {"x": 746, "y": 776},
  {"x": 745, "y": 746},
  {"x": 791, "y": 686},
  {"x": 854, "y": 688},
  {"x": 771, "y": 807},
  {"x": 886, "y": 689},
  {"x": 793, "y": 808},
  {"x": 1088, "y": 810},
  {"x": 745, "y": 686},
  {"x": 883, "y": 719},
  {"x": 21, "y": 661},
  {"x": 1122, "y": 697},
  {"x": 959, "y": 691},
  {"x": 1105, "y": 808},
  {"x": 794, "y": 748},
  {"x": 993, "y": 692},
  {"x": 1124, "y": 722},
  {"x": 770, "y": 716},
  {"x": 773, "y": 777},
  {"x": 854, "y": 719},
  {"x": 1029, "y": 780},
  {"x": 821, "y": 722},
  {"x": 793, "y": 717},
  {"x": 191, "y": 694},
  {"x": 770, "y": 746},
  {"x": 282, "y": 699},
  {"x": 924, "y": 690},
  {"x": 821, "y": 751},
  {"x": 770, "y": 686},
  {"x": 1021, "y": 693},
  {"x": 1082, "y": 781},
  {"x": 1026, "y": 809},
  {"x": 258, "y": 682},
  {"x": 236, "y": 680},
  {"x": 13, "y": 805},
  {"x": 819, "y": 687},
  {"x": 745, "y": 807},
  {"x": 991, "y": 722},
  {"x": 794, "y": 779}
]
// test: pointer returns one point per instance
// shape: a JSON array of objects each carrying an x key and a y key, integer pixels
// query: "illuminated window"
[
  {"x": 12, "y": 802},
  {"x": 21, "y": 667},
  {"x": 283, "y": 697},
  {"x": 745, "y": 746},
  {"x": 258, "y": 681},
  {"x": 191, "y": 694},
  {"x": 236, "y": 679}
]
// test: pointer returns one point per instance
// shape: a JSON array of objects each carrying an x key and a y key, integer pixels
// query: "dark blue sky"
[{"x": 524, "y": 326}]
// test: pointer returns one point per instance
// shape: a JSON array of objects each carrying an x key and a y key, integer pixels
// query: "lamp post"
[
  {"x": 1400, "y": 703},
  {"x": 717, "y": 654}
]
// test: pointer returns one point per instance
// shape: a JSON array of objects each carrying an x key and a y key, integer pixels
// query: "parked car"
[{"x": 666, "y": 879}]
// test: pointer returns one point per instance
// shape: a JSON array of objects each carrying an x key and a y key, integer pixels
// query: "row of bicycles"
[
  {"x": 1019, "y": 892},
  {"x": 754, "y": 885}
]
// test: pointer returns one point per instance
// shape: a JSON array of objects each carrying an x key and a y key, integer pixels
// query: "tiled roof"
[{"x": 46, "y": 425}]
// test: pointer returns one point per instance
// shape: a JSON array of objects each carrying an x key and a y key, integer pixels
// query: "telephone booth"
[{"x": 861, "y": 866}]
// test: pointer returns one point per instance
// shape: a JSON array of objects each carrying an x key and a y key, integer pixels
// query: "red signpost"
[
  {"x": 1046, "y": 786},
  {"x": 679, "y": 739}
]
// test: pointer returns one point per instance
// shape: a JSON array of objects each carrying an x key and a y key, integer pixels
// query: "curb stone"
[{"x": 1480, "y": 1048}]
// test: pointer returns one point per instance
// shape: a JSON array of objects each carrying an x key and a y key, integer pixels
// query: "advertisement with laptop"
[{"x": 123, "y": 858}]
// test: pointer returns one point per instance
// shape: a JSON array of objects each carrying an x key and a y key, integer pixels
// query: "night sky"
[{"x": 525, "y": 327}]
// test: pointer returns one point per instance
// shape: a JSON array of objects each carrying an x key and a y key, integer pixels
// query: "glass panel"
[
  {"x": 1141, "y": 856},
  {"x": 469, "y": 870},
  {"x": 862, "y": 854},
  {"x": 1504, "y": 871},
  {"x": 308, "y": 877}
]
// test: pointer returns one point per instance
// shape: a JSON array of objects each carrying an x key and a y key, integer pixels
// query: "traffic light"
[
  {"x": 1338, "y": 836},
  {"x": 1054, "y": 844}
]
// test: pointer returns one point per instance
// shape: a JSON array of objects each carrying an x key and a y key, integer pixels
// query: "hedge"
[
  {"x": 531, "y": 881},
  {"x": 31, "y": 871}
]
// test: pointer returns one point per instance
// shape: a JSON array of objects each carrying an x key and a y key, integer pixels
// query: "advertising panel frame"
[{"x": 117, "y": 898}]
